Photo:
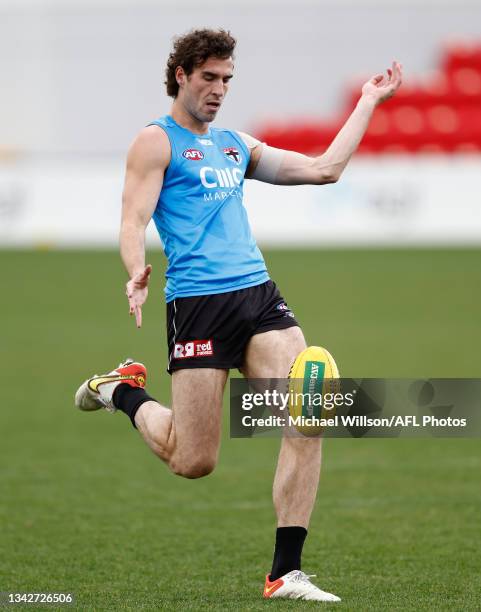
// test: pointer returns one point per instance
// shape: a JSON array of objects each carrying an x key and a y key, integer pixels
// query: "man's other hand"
[
  {"x": 137, "y": 291},
  {"x": 382, "y": 87}
]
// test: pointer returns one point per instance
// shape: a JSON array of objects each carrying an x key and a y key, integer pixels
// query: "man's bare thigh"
[
  {"x": 197, "y": 398},
  {"x": 270, "y": 354}
]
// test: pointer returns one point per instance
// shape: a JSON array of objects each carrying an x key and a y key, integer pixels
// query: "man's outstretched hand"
[
  {"x": 382, "y": 87},
  {"x": 137, "y": 290}
]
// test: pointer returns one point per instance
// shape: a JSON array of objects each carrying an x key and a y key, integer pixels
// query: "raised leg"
[{"x": 187, "y": 437}]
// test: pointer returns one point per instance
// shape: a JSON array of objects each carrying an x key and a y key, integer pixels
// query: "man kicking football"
[{"x": 223, "y": 310}]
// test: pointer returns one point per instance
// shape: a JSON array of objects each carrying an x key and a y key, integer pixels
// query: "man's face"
[{"x": 203, "y": 91}]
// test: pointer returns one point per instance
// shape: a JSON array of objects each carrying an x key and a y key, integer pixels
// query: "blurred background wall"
[{"x": 81, "y": 78}]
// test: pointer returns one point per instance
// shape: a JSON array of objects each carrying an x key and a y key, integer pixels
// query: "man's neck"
[{"x": 187, "y": 121}]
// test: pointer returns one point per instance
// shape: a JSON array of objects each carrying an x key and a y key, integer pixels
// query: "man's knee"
[
  {"x": 302, "y": 447},
  {"x": 195, "y": 467}
]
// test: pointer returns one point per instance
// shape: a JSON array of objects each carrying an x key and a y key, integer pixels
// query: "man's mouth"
[{"x": 213, "y": 106}]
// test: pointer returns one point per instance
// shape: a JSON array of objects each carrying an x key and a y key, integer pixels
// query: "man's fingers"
[
  {"x": 384, "y": 86},
  {"x": 394, "y": 80},
  {"x": 397, "y": 73},
  {"x": 138, "y": 316},
  {"x": 135, "y": 309}
]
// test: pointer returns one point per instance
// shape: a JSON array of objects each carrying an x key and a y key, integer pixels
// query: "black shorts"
[{"x": 212, "y": 331}]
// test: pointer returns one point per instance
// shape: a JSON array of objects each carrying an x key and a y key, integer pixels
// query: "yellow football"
[{"x": 313, "y": 374}]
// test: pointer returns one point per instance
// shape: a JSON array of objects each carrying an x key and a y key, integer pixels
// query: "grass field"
[{"x": 85, "y": 508}]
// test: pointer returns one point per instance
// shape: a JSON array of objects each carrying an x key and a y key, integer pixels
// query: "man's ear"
[{"x": 180, "y": 76}]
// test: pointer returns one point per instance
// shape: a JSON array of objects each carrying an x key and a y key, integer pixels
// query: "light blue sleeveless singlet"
[{"x": 200, "y": 216}]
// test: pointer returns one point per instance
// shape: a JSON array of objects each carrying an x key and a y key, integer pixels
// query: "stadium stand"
[{"x": 441, "y": 113}]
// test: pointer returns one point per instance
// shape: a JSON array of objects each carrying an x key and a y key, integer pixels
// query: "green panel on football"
[{"x": 313, "y": 381}]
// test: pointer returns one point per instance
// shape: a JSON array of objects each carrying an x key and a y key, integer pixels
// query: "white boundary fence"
[{"x": 378, "y": 201}]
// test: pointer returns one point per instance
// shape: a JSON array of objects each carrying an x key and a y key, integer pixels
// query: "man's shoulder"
[
  {"x": 247, "y": 139},
  {"x": 151, "y": 144},
  {"x": 228, "y": 134},
  {"x": 222, "y": 130},
  {"x": 161, "y": 121}
]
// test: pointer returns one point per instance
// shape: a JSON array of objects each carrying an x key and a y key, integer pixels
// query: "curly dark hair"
[{"x": 193, "y": 49}]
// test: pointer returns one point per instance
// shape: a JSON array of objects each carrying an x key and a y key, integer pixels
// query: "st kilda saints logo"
[
  {"x": 233, "y": 154},
  {"x": 193, "y": 154}
]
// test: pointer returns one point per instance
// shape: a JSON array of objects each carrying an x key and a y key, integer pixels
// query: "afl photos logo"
[
  {"x": 193, "y": 154},
  {"x": 233, "y": 154}
]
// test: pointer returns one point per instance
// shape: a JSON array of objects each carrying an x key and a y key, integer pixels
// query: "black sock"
[
  {"x": 129, "y": 399},
  {"x": 287, "y": 554}
]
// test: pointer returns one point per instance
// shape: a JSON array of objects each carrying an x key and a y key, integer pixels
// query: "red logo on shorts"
[
  {"x": 193, "y": 154},
  {"x": 193, "y": 348}
]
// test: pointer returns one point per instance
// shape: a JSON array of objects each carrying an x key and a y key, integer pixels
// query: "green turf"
[{"x": 84, "y": 507}]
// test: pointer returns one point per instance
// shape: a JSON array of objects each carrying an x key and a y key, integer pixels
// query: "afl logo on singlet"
[{"x": 193, "y": 154}]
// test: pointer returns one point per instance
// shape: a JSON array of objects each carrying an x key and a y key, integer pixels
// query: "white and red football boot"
[
  {"x": 296, "y": 585},
  {"x": 96, "y": 392}
]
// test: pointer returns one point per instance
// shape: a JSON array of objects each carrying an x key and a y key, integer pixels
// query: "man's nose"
[{"x": 218, "y": 88}]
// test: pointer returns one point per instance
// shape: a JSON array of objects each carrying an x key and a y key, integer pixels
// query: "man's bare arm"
[
  {"x": 290, "y": 168},
  {"x": 148, "y": 157}
]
